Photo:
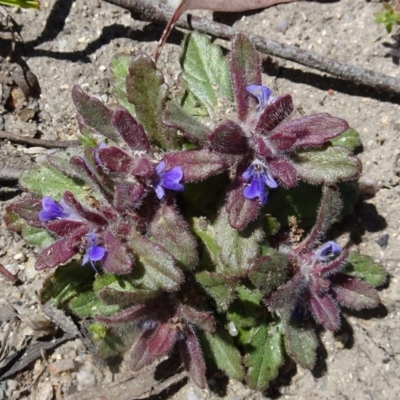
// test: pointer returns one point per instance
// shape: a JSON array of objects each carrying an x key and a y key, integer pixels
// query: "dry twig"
[
  {"x": 38, "y": 142},
  {"x": 153, "y": 11}
]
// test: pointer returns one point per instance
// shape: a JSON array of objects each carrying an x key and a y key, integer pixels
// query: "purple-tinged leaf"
[
  {"x": 192, "y": 358},
  {"x": 91, "y": 216},
  {"x": 283, "y": 170},
  {"x": 325, "y": 311},
  {"x": 128, "y": 196},
  {"x": 28, "y": 209},
  {"x": 118, "y": 260},
  {"x": 131, "y": 131},
  {"x": 196, "y": 165},
  {"x": 62, "y": 228},
  {"x": 274, "y": 113},
  {"x": 327, "y": 165},
  {"x": 115, "y": 159},
  {"x": 229, "y": 138},
  {"x": 129, "y": 315},
  {"x": 140, "y": 356},
  {"x": 311, "y": 131},
  {"x": 333, "y": 266},
  {"x": 79, "y": 165},
  {"x": 142, "y": 168},
  {"x": 245, "y": 70},
  {"x": 169, "y": 229},
  {"x": 146, "y": 89},
  {"x": 241, "y": 210},
  {"x": 353, "y": 293},
  {"x": 175, "y": 116},
  {"x": 57, "y": 253},
  {"x": 94, "y": 113},
  {"x": 162, "y": 340},
  {"x": 203, "y": 320}
]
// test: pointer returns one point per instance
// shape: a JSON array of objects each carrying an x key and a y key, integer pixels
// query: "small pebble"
[
  {"x": 86, "y": 378},
  {"x": 20, "y": 257},
  {"x": 61, "y": 366},
  {"x": 383, "y": 241},
  {"x": 367, "y": 186}
]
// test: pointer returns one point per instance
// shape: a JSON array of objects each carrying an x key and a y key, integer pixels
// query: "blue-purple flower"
[
  {"x": 262, "y": 93},
  {"x": 258, "y": 177},
  {"x": 93, "y": 252},
  {"x": 51, "y": 210},
  {"x": 167, "y": 180},
  {"x": 327, "y": 251}
]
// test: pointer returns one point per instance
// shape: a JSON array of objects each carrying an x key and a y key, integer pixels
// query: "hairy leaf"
[
  {"x": 264, "y": 357},
  {"x": 120, "y": 68},
  {"x": 245, "y": 70},
  {"x": 363, "y": 267},
  {"x": 37, "y": 237},
  {"x": 205, "y": 71},
  {"x": 349, "y": 139},
  {"x": 221, "y": 349},
  {"x": 146, "y": 90},
  {"x": 169, "y": 229},
  {"x": 88, "y": 304},
  {"x": 327, "y": 165}
]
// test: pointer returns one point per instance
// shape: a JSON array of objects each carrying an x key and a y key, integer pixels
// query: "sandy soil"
[{"x": 72, "y": 43}]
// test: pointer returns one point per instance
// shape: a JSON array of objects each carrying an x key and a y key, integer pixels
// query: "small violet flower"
[
  {"x": 93, "y": 252},
  {"x": 51, "y": 210},
  {"x": 327, "y": 251},
  {"x": 262, "y": 93},
  {"x": 167, "y": 180},
  {"x": 258, "y": 177}
]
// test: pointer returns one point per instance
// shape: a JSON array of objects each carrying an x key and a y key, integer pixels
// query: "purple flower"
[
  {"x": 51, "y": 210},
  {"x": 262, "y": 93},
  {"x": 93, "y": 252},
  {"x": 258, "y": 176},
  {"x": 327, "y": 251},
  {"x": 167, "y": 180}
]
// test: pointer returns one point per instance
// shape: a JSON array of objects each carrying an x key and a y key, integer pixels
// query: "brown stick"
[
  {"x": 153, "y": 11},
  {"x": 38, "y": 142},
  {"x": 8, "y": 275}
]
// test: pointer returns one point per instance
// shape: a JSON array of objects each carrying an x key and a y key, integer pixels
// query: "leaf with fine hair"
[
  {"x": 87, "y": 304},
  {"x": 364, "y": 268},
  {"x": 119, "y": 66},
  {"x": 205, "y": 71},
  {"x": 146, "y": 89},
  {"x": 237, "y": 249},
  {"x": 326, "y": 165},
  {"x": 264, "y": 356},
  {"x": 245, "y": 69},
  {"x": 219, "y": 346},
  {"x": 349, "y": 139}
]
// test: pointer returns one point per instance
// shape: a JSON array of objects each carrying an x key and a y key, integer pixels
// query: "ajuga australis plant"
[{"x": 195, "y": 218}]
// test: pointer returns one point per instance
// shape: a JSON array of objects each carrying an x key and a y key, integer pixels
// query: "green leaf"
[
  {"x": 219, "y": 346},
  {"x": 301, "y": 344},
  {"x": 37, "y": 237},
  {"x": 218, "y": 286},
  {"x": 176, "y": 116},
  {"x": 363, "y": 267},
  {"x": 67, "y": 282},
  {"x": 155, "y": 268},
  {"x": 269, "y": 271},
  {"x": 120, "y": 68},
  {"x": 112, "y": 342},
  {"x": 47, "y": 181},
  {"x": 349, "y": 139},
  {"x": 206, "y": 232},
  {"x": 236, "y": 248},
  {"x": 327, "y": 165},
  {"x": 246, "y": 308},
  {"x": 88, "y": 304},
  {"x": 146, "y": 91},
  {"x": 264, "y": 357},
  {"x": 206, "y": 72}
]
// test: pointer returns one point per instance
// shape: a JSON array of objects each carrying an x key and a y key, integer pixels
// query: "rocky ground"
[{"x": 70, "y": 43}]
